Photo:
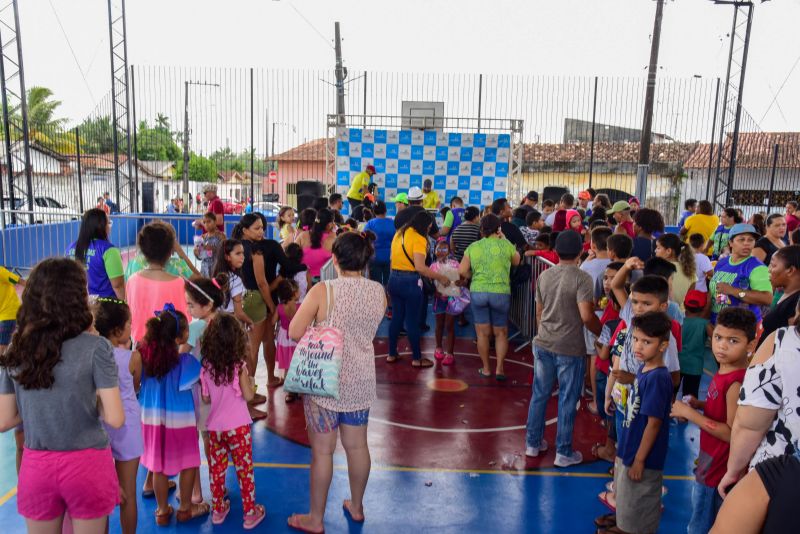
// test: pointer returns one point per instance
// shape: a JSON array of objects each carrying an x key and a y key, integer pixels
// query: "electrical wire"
[
  {"x": 77, "y": 64},
  {"x": 322, "y": 36},
  {"x": 775, "y": 96}
]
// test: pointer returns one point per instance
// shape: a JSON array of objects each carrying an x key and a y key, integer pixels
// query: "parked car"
[
  {"x": 45, "y": 210},
  {"x": 269, "y": 209},
  {"x": 231, "y": 207}
]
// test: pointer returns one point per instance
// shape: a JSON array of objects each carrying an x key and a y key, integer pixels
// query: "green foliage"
[
  {"x": 157, "y": 144},
  {"x": 227, "y": 160},
  {"x": 201, "y": 169},
  {"x": 97, "y": 135}
]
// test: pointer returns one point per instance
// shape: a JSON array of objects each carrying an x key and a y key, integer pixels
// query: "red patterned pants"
[{"x": 239, "y": 444}]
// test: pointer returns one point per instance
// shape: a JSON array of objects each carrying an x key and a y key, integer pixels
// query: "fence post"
[
  {"x": 591, "y": 148},
  {"x": 252, "y": 146},
  {"x": 365, "y": 100},
  {"x": 480, "y": 99},
  {"x": 135, "y": 197},
  {"x": 711, "y": 146},
  {"x": 78, "y": 160},
  {"x": 775, "y": 151}
]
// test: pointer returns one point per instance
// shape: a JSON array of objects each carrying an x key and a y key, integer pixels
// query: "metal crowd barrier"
[
  {"x": 327, "y": 271},
  {"x": 523, "y": 302}
]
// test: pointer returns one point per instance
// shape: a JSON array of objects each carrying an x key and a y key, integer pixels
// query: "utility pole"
[
  {"x": 341, "y": 74},
  {"x": 185, "y": 187},
  {"x": 647, "y": 125}
]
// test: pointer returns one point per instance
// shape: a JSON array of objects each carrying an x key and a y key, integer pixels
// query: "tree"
[
  {"x": 227, "y": 160},
  {"x": 41, "y": 110},
  {"x": 97, "y": 135},
  {"x": 156, "y": 144},
  {"x": 201, "y": 169}
]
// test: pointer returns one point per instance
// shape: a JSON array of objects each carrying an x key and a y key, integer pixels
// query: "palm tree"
[
  {"x": 162, "y": 121},
  {"x": 41, "y": 110}
]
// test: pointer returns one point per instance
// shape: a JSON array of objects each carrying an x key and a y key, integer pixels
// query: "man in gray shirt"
[{"x": 564, "y": 305}]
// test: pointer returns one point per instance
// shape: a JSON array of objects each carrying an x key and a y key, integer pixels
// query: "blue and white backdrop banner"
[{"x": 473, "y": 166}]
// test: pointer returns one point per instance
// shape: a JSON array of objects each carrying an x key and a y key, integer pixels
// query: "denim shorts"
[
  {"x": 6, "y": 329},
  {"x": 491, "y": 308},
  {"x": 321, "y": 420}
]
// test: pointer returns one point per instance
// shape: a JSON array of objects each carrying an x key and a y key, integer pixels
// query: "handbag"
[
  {"x": 317, "y": 359},
  {"x": 428, "y": 287}
]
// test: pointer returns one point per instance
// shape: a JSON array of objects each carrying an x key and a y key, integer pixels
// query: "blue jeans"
[
  {"x": 706, "y": 502},
  {"x": 406, "y": 298},
  {"x": 569, "y": 372}
]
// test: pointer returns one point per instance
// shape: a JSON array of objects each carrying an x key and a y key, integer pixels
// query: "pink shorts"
[{"x": 82, "y": 482}]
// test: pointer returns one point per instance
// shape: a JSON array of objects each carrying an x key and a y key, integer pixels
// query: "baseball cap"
[
  {"x": 618, "y": 206},
  {"x": 743, "y": 228},
  {"x": 370, "y": 168},
  {"x": 584, "y": 195},
  {"x": 569, "y": 243},
  {"x": 402, "y": 198},
  {"x": 414, "y": 194},
  {"x": 695, "y": 298}
]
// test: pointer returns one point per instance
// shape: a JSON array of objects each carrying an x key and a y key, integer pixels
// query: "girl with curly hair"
[
  {"x": 169, "y": 423},
  {"x": 51, "y": 377},
  {"x": 227, "y": 387}
]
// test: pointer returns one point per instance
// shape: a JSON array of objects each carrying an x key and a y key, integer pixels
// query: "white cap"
[{"x": 414, "y": 194}]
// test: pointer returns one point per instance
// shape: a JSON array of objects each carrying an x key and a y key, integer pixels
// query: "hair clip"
[
  {"x": 170, "y": 309},
  {"x": 110, "y": 299},
  {"x": 200, "y": 290},
  {"x": 216, "y": 284}
]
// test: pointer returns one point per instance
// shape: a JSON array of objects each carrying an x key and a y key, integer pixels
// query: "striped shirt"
[{"x": 463, "y": 236}]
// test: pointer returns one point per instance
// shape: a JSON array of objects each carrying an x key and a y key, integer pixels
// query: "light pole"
[{"x": 185, "y": 186}]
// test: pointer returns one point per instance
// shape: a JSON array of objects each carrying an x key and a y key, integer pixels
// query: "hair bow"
[{"x": 170, "y": 309}]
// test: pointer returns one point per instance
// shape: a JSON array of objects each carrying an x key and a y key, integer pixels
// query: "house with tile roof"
[{"x": 303, "y": 162}]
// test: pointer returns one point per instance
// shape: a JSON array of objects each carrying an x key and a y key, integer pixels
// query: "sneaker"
[
  {"x": 449, "y": 359},
  {"x": 566, "y": 461},
  {"x": 438, "y": 354},
  {"x": 533, "y": 452}
]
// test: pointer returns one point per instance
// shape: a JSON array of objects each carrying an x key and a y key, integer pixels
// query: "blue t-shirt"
[
  {"x": 384, "y": 229},
  {"x": 651, "y": 396},
  {"x": 103, "y": 262},
  {"x": 685, "y": 215}
]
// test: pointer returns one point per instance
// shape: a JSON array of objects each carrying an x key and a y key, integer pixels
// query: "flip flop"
[
  {"x": 484, "y": 375},
  {"x": 151, "y": 494},
  {"x": 346, "y": 506},
  {"x": 500, "y": 377},
  {"x": 603, "y": 498},
  {"x": 217, "y": 518},
  {"x": 293, "y": 523},
  {"x": 251, "y": 521},
  {"x": 163, "y": 519},
  {"x": 392, "y": 359},
  {"x": 606, "y": 521},
  {"x": 424, "y": 363}
]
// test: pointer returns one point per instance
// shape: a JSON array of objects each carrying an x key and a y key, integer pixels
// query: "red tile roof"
[
  {"x": 606, "y": 152},
  {"x": 754, "y": 151},
  {"x": 310, "y": 151}
]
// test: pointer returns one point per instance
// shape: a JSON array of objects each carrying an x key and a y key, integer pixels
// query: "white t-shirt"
[
  {"x": 703, "y": 266},
  {"x": 237, "y": 289}
]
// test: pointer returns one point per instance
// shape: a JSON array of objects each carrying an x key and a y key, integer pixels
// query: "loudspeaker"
[
  {"x": 553, "y": 193},
  {"x": 314, "y": 189},
  {"x": 148, "y": 197},
  {"x": 305, "y": 201}
]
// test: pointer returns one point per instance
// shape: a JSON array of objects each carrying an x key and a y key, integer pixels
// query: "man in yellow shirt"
[
  {"x": 703, "y": 222},
  {"x": 359, "y": 186},
  {"x": 9, "y": 305},
  {"x": 430, "y": 200}
]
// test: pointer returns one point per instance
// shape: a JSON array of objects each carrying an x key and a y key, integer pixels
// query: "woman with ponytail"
[
  {"x": 259, "y": 273},
  {"x": 318, "y": 242},
  {"x": 671, "y": 248}
]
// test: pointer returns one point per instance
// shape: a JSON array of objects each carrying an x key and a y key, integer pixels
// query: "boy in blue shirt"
[{"x": 642, "y": 444}]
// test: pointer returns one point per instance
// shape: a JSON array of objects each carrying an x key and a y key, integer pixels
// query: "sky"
[{"x": 65, "y": 41}]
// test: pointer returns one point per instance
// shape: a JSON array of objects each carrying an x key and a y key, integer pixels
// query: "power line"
[
  {"x": 775, "y": 96},
  {"x": 74, "y": 57},
  {"x": 327, "y": 41}
]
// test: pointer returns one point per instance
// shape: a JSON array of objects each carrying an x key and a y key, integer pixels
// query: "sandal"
[
  {"x": 151, "y": 494},
  {"x": 294, "y": 522},
  {"x": 256, "y": 414},
  {"x": 254, "y": 519},
  {"x": 217, "y": 518},
  {"x": 196, "y": 510},
  {"x": 606, "y": 521},
  {"x": 597, "y": 447},
  {"x": 346, "y": 506},
  {"x": 422, "y": 363},
  {"x": 484, "y": 375},
  {"x": 500, "y": 377},
  {"x": 392, "y": 359},
  {"x": 163, "y": 519},
  {"x": 449, "y": 359},
  {"x": 603, "y": 498},
  {"x": 258, "y": 398}
]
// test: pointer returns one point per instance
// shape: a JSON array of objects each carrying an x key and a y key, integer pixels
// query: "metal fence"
[
  {"x": 523, "y": 301},
  {"x": 235, "y": 125}
]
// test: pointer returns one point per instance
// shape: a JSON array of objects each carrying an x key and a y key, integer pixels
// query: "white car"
[{"x": 45, "y": 210}]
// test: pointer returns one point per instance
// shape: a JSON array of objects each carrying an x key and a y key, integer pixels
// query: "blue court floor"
[{"x": 415, "y": 499}]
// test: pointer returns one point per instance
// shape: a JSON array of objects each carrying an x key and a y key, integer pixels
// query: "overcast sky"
[{"x": 574, "y": 37}]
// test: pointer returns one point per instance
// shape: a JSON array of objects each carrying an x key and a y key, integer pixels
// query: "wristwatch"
[{"x": 741, "y": 295}]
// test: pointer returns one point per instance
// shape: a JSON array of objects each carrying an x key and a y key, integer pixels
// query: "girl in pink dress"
[
  {"x": 226, "y": 387},
  {"x": 448, "y": 302},
  {"x": 288, "y": 294}
]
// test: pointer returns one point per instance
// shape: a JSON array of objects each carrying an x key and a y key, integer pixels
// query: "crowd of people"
[{"x": 623, "y": 308}]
